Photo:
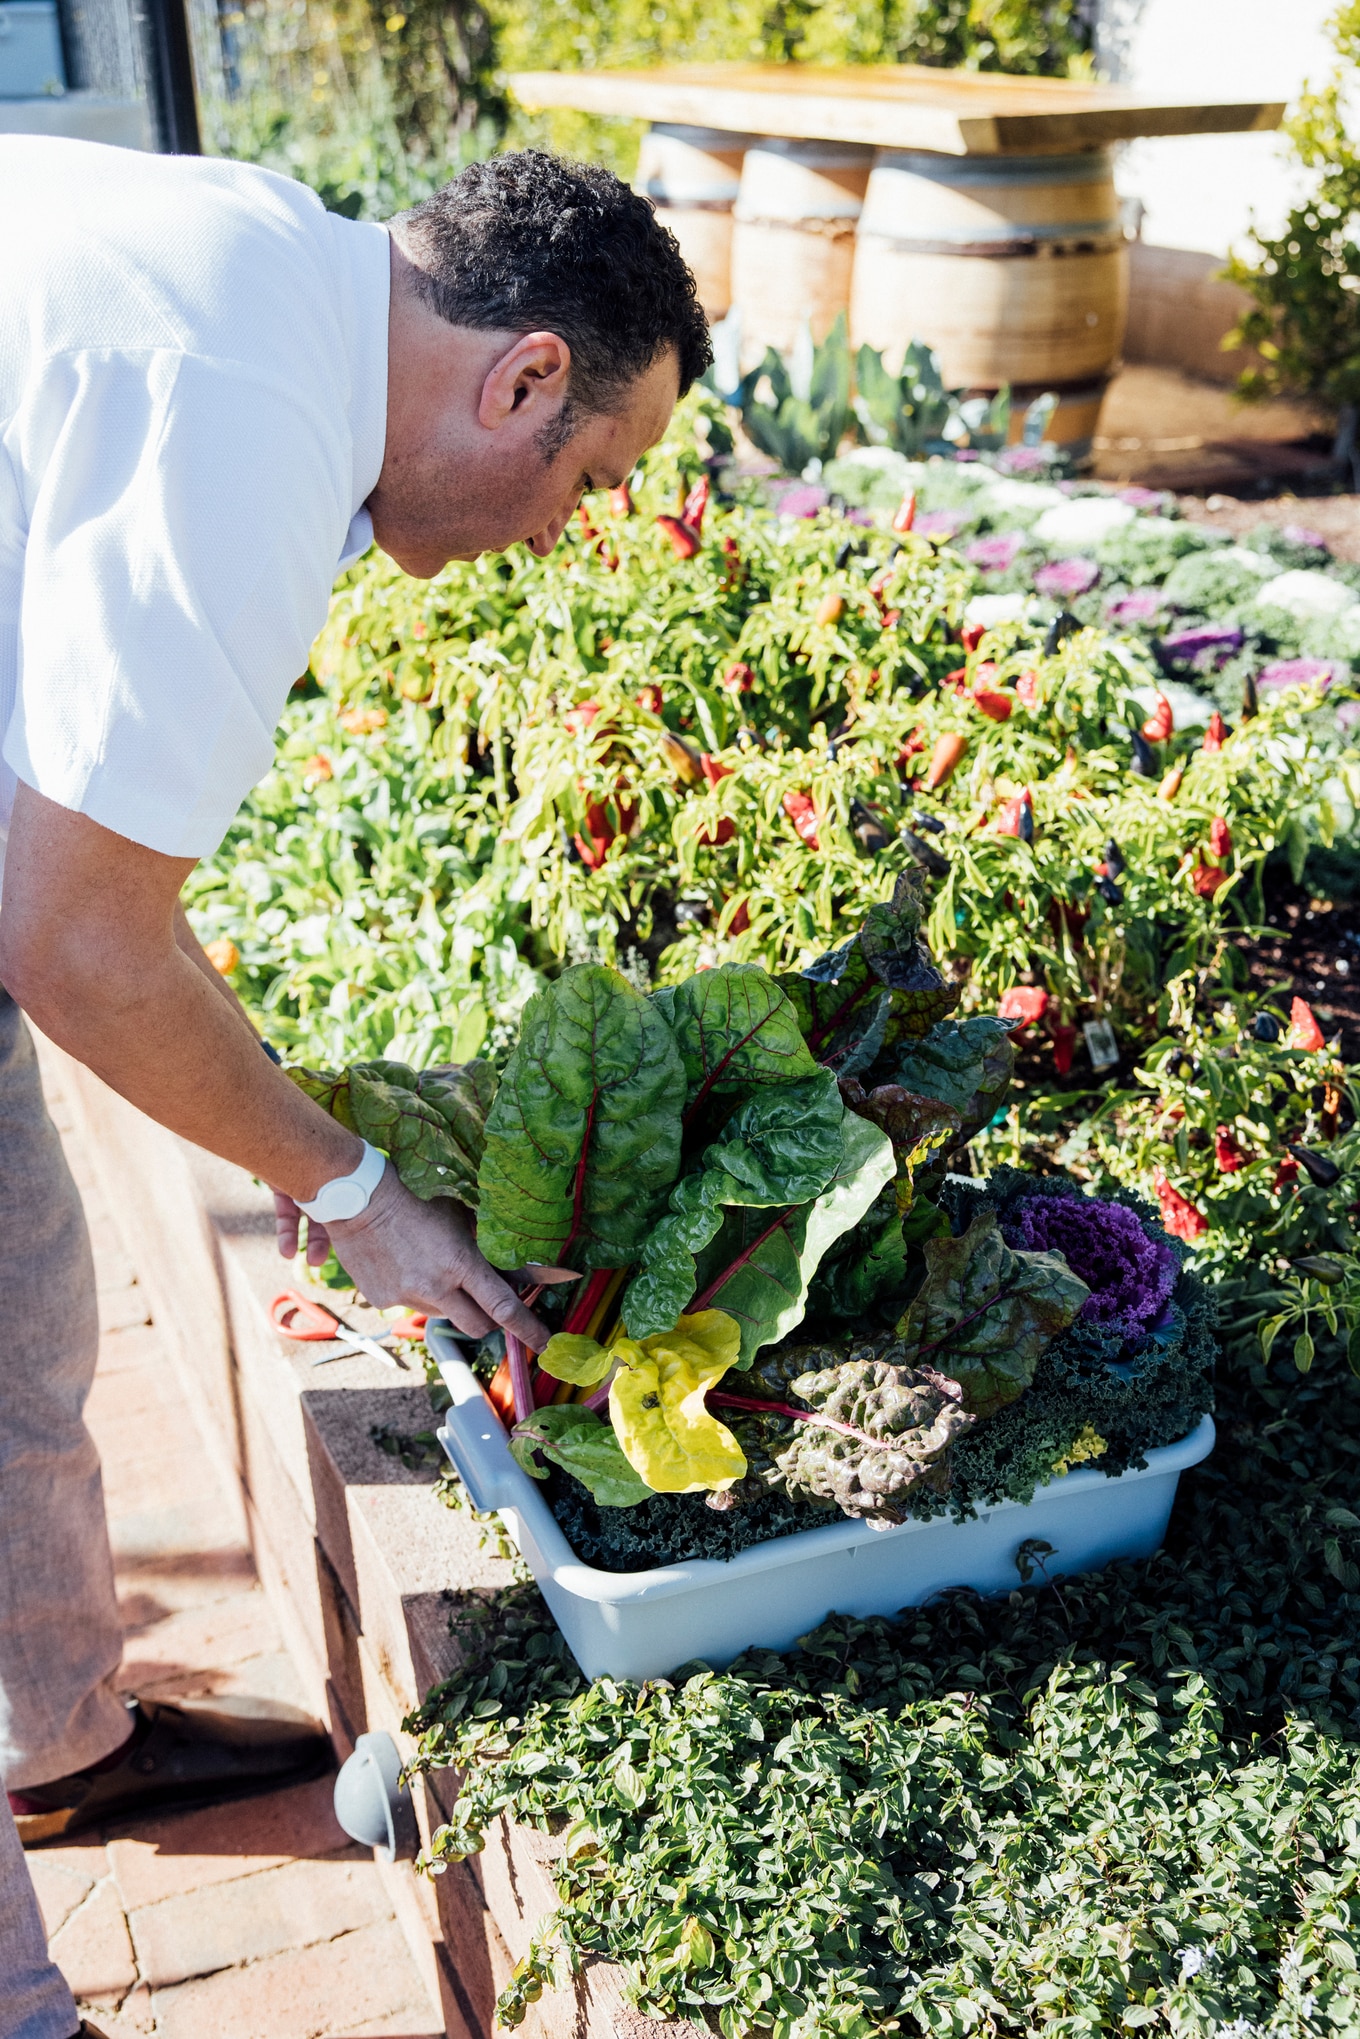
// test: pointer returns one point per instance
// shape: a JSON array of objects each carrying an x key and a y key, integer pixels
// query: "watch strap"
[{"x": 347, "y": 1196}]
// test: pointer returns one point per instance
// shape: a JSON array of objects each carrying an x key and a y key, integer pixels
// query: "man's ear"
[{"x": 530, "y": 379}]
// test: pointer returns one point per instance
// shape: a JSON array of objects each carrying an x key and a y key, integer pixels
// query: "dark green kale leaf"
[{"x": 985, "y": 1312}]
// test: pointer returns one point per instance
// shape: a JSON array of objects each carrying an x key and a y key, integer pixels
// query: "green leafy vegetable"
[
  {"x": 431, "y": 1123},
  {"x": 578, "y": 1441},
  {"x": 757, "y": 1268},
  {"x": 919, "y": 1128},
  {"x": 779, "y": 1149},
  {"x": 986, "y": 1311},
  {"x": 733, "y": 1026},
  {"x": 583, "y": 1140},
  {"x": 894, "y": 1430},
  {"x": 966, "y": 1064}
]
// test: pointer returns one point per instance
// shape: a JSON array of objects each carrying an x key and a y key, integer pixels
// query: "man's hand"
[{"x": 423, "y": 1255}]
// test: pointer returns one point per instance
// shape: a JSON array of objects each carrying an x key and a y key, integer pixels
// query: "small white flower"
[
  {"x": 1306, "y": 595},
  {"x": 1006, "y": 493},
  {"x": 990, "y": 609},
  {"x": 1192, "y": 1960},
  {"x": 1085, "y": 520}
]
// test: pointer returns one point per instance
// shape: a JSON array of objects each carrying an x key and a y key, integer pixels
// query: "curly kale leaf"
[
  {"x": 893, "y": 1427},
  {"x": 985, "y": 1312},
  {"x": 733, "y": 1027},
  {"x": 584, "y": 1446},
  {"x": 780, "y": 1148},
  {"x": 583, "y": 1140},
  {"x": 431, "y": 1123}
]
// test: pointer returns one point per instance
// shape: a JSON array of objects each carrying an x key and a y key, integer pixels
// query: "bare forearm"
[{"x": 171, "y": 1044}]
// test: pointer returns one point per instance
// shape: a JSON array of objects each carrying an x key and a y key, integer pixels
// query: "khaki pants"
[{"x": 60, "y": 1640}]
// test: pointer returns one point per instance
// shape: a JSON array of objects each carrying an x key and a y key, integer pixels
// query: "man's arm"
[{"x": 90, "y": 947}]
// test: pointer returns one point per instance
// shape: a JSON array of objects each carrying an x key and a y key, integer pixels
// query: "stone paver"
[{"x": 256, "y": 1920}]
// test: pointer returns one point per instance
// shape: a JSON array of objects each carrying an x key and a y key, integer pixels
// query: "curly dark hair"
[{"x": 529, "y": 241}]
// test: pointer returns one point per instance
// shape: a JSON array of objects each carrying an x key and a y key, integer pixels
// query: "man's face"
[{"x": 469, "y": 412}]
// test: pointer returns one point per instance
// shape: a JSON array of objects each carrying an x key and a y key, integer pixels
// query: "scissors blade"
[{"x": 350, "y": 1347}]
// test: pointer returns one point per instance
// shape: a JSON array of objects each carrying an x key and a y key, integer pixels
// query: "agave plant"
[{"x": 799, "y": 411}]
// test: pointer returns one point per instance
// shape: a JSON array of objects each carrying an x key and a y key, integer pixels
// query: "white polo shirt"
[{"x": 193, "y": 405}]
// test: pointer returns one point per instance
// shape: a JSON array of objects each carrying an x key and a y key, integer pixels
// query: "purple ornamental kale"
[
  {"x": 1298, "y": 672},
  {"x": 1130, "y": 1276},
  {"x": 1064, "y": 577},
  {"x": 1206, "y": 646},
  {"x": 1142, "y": 606},
  {"x": 995, "y": 555},
  {"x": 804, "y": 499},
  {"x": 941, "y": 524},
  {"x": 1144, "y": 499},
  {"x": 1303, "y": 534}
]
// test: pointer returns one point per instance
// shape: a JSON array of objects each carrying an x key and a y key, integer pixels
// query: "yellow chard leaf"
[
  {"x": 583, "y": 1361},
  {"x": 657, "y": 1403}
]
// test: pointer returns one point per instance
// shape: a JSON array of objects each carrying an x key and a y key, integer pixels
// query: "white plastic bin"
[{"x": 642, "y": 1624}]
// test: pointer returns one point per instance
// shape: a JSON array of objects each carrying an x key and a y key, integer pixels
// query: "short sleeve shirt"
[{"x": 193, "y": 399}]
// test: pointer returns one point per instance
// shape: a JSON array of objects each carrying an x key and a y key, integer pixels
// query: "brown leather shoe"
[
  {"x": 89, "y": 2031},
  {"x": 176, "y": 1756}
]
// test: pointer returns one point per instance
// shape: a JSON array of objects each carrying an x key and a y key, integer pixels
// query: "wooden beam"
[{"x": 895, "y": 106}]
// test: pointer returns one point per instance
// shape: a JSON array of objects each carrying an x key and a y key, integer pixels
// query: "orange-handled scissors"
[{"x": 310, "y": 1322}]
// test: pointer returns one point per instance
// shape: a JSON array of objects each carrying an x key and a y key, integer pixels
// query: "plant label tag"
[{"x": 1101, "y": 1044}]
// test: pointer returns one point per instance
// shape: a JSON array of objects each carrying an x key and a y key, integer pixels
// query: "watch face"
[{"x": 344, "y": 1200}]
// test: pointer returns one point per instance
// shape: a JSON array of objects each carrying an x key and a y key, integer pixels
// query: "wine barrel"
[
  {"x": 793, "y": 239},
  {"x": 692, "y": 174},
  {"x": 1014, "y": 268}
]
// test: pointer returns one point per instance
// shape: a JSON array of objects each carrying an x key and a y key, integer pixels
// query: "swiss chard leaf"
[
  {"x": 985, "y": 1312},
  {"x": 780, "y": 1148},
  {"x": 583, "y": 1140},
  {"x": 919, "y": 1128},
  {"x": 430, "y": 1122},
  {"x": 758, "y": 1266},
  {"x": 898, "y": 1425},
  {"x": 733, "y": 1027},
  {"x": 838, "y": 998},
  {"x": 966, "y": 1064},
  {"x": 665, "y": 1430},
  {"x": 584, "y": 1446}
]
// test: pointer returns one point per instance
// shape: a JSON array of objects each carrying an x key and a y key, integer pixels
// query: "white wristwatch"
[{"x": 347, "y": 1195}]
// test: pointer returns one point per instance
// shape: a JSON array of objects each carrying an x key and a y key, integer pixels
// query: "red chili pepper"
[
  {"x": 891, "y": 618},
  {"x": 997, "y": 706},
  {"x": 583, "y": 519},
  {"x": 696, "y": 502},
  {"x": 913, "y": 747},
  {"x": 1017, "y": 817},
  {"x": 651, "y": 698},
  {"x": 906, "y": 513},
  {"x": 685, "y": 540},
  {"x": 1179, "y": 1216},
  {"x": 1064, "y": 1047},
  {"x": 1027, "y": 689},
  {"x": 1220, "y": 841},
  {"x": 1161, "y": 722},
  {"x": 1304, "y": 1031},
  {"x": 1206, "y": 879},
  {"x": 1023, "y": 1002},
  {"x": 1287, "y": 1174},
  {"x": 830, "y": 609},
  {"x": 944, "y": 759},
  {"x": 971, "y": 636},
  {"x": 956, "y": 680},
  {"x": 740, "y": 921},
  {"x": 723, "y": 831},
  {"x": 621, "y": 500},
  {"x": 577, "y": 720},
  {"x": 803, "y": 814},
  {"x": 1227, "y": 1153},
  {"x": 739, "y": 678},
  {"x": 713, "y": 769},
  {"x": 1215, "y": 733}
]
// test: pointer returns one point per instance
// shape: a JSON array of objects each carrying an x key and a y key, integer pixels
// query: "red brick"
[
  {"x": 189, "y": 1850},
  {"x": 253, "y": 1917},
  {"x": 362, "y": 1978},
  {"x": 93, "y": 1951}
]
